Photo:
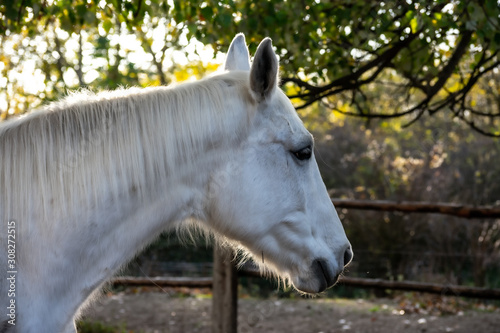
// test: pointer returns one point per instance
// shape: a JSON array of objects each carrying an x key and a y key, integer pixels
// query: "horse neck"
[{"x": 118, "y": 193}]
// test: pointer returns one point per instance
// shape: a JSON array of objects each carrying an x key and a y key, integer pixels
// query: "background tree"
[
  {"x": 430, "y": 55},
  {"x": 433, "y": 64}
]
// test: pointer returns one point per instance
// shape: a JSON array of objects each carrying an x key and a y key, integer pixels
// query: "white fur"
[
  {"x": 238, "y": 57},
  {"x": 92, "y": 179}
]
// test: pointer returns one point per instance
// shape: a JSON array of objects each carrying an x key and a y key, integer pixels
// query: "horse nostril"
[
  {"x": 321, "y": 270},
  {"x": 348, "y": 256}
]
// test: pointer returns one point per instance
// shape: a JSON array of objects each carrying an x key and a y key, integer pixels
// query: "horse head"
[{"x": 274, "y": 202}]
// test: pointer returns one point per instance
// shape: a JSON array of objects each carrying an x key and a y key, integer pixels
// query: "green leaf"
[
  {"x": 107, "y": 25},
  {"x": 409, "y": 14},
  {"x": 225, "y": 20},
  {"x": 192, "y": 28},
  {"x": 81, "y": 10},
  {"x": 207, "y": 12},
  {"x": 491, "y": 6},
  {"x": 471, "y": 25},
  {"x": 269, "y": 20},
  {"x": 477, "y": 57},
  {"x": 89, "y": 17},
  {"x": 496, "y": 39},
  {"x": 10, "y": 11}
]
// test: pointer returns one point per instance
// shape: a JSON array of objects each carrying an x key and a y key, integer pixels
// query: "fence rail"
[
  {"x": 132, "y": 281},
  {"x": 464, "y": 211},
  {"x": 207, "y": 282},
  {"x": 445, "y": 290}
]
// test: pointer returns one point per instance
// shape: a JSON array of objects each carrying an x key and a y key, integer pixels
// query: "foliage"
[
  {"x": 431, "y": 56},
  {"x": 435, "y": 52},
  {"x": 99, "y": 45},
  {"x": 435, "y": 162}
]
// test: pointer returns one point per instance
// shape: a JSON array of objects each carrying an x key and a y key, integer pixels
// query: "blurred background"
[{"x": 403, "y": 98}]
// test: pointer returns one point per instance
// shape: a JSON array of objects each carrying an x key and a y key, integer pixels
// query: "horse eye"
[{"x": 303, "y": 154}]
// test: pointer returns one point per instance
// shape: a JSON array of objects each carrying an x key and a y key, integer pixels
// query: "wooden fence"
[
  {"x": 458, "y": 210},
  {"x": 224, "y": 281},
  {"x": 208, "y": 282}
]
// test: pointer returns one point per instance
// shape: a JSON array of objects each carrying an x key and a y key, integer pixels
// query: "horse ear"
[
  {"x": 264, "y": 71},
  {"x": 237, "y": 57}
]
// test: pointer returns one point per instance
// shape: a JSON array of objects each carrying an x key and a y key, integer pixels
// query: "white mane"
[{"x": 50, "y": 157}]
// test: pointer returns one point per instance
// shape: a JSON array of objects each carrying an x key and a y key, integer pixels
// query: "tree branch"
[
  {"x": 158, "y": 64},
  {"x": 79, "y": 68},
  {"x": 350, "y": 81},
  {"x": 138, "y": 10},
  {"x": 451, "y": 65}
]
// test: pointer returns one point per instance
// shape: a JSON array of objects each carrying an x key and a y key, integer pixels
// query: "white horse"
[{"x": 89, "y": 181}]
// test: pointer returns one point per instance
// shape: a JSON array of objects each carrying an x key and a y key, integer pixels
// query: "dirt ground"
[{"x": 165, "y": 311}]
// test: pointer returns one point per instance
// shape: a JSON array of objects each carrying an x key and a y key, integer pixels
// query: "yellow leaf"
[
  {"x": 414, "y": 24},
  {"x": 181, "y": 75}
]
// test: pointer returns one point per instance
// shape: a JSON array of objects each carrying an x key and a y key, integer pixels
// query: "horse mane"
[{"x": 63, "y": 153}]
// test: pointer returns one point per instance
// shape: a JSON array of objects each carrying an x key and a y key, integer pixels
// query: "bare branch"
[
  {"x": 350, "y": 81},
  {"x": 451, "y": 65},
  {"x": 158, "y": 64},
  {"x": 138, "y": 10},
  {"x": 367, "y": 115},
  {"x": 79, "y": 68}
]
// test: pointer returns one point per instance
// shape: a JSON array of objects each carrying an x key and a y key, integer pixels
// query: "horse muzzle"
[{"x": 323, "y": 275}]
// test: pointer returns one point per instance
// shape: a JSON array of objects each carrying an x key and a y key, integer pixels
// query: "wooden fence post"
[{"x": 224, "y": 292}]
